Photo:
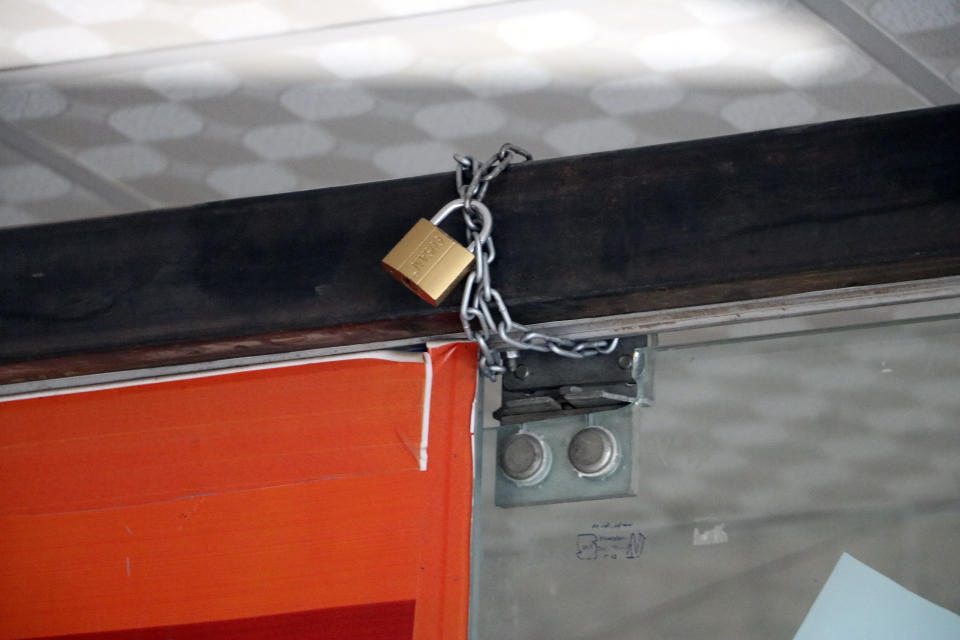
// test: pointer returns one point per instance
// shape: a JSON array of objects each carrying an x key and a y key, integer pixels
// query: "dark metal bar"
[{"x": 852, "y": 202}]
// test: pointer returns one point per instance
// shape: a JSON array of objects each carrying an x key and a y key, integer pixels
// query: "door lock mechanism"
[{"x": 541, "y": 386}]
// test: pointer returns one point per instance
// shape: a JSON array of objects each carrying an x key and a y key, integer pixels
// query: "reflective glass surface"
[{"x": 754, "y": 464}]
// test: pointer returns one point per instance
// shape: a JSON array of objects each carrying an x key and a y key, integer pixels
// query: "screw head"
[
  {"x": 521, "y": 372},
  {"x": 625, "y": 361}
]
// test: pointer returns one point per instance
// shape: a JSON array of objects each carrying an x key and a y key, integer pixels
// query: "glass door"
[{"x": 747, "y": 469}]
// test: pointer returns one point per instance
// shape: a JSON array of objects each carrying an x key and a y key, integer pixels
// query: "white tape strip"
[
  {"x": 391, "y": 356},
  {"x": 427, "y": 391}
]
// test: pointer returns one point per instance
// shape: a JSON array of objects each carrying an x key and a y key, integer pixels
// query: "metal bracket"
[{"x": 541, "y": 386}]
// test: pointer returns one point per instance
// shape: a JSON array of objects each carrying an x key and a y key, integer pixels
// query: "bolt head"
[
  {"x": 594, "y": 452},
  {"x": 525, "y": 459}
]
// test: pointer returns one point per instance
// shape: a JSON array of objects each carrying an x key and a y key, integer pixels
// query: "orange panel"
[
  {"x": 236, "y": 496},
  {"x": 444, "y": 588},
  {"x": 235, "y": 555},
  {"x": 379, "y": 621},
  {"x": 139, "y": 444}
]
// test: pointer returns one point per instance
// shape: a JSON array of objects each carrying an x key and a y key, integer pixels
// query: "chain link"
[{"x": 483, "y": 312}]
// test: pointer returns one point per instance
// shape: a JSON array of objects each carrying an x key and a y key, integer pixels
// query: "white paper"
[{"x": 858, "y": 602}]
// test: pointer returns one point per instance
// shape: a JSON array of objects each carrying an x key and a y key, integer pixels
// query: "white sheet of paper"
[{"x": 859, "y": 602}]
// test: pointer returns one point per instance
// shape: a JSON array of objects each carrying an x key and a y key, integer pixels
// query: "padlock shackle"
[{"x": 475, "y": 205}]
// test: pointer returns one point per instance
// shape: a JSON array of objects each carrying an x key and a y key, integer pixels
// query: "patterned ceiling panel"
[
  {"x": 929, "y": 30},
  {"x": 45, "y": 31},
  {"x": 31, "y": 193},
  {"x": 392, "y": 99}
]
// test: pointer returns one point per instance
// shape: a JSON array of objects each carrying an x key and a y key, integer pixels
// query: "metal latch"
[{"x": 541, "y": 386}]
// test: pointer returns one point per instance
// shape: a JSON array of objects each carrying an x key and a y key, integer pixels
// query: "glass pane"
[{"x": 755, "y": 466}]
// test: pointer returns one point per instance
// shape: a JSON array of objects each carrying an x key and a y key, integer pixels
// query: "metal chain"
[{"x": 483, "y": 312}]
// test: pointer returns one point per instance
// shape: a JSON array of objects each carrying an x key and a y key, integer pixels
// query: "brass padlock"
[{"x": 428, "y": 261}]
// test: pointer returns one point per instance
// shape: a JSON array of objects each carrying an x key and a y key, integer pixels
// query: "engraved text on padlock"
[{"x": 428, "y": 261}]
